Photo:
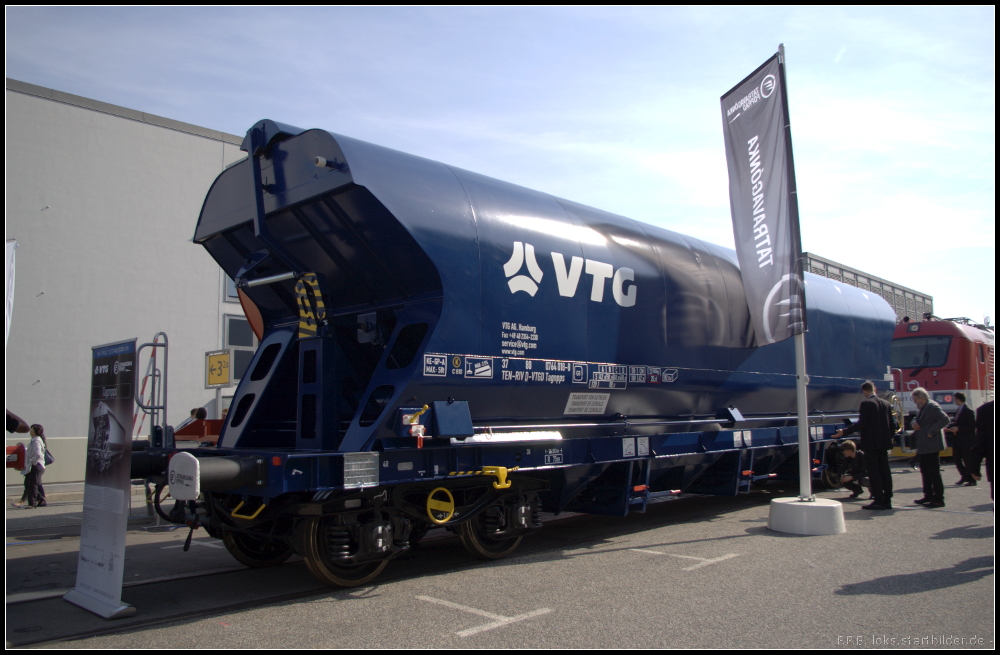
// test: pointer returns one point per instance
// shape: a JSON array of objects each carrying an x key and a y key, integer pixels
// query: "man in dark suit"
[
  {"x": 985, "y": 435},
  {"x": 875, "y": 426},
  {"x": 964, "y": 442}
]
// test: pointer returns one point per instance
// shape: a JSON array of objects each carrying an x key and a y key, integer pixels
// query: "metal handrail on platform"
[{"x": 156, "y": 406}]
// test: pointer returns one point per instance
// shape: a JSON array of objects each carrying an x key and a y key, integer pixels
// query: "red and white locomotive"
[{"x": 943, "y": 356}]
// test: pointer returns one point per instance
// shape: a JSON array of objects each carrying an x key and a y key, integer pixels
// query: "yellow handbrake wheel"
[{"x": 440, "y": 511}]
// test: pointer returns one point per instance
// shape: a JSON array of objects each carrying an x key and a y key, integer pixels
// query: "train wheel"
[
  {"x": 255, "y": 552},
  {"x": 319, "y": 542},
  {"x": 476, "y": 537},
  {"x": 830, "y": 480}
]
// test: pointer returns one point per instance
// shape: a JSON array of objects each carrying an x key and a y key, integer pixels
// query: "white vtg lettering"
[{"x": 569, "y": 279}]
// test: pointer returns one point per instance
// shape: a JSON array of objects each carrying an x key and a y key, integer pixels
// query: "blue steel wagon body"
[{"x": 442, "y": 348}]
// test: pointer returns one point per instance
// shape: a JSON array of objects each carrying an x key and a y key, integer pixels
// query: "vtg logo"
[
  {"x": 523, "y": 282},
  {"x": 569, "y": 279}
]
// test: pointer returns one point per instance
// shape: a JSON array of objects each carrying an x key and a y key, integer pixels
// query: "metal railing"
[{"x": 157, "y": 407}]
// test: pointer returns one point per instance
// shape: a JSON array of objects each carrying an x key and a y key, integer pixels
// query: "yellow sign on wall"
[{"x": 218, "y": 369}]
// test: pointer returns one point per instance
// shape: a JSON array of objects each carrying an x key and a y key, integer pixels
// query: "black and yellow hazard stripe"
[{"x": 311, "y": 307}]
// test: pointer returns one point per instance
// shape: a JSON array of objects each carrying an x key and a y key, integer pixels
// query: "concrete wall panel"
[{"x": 103, "y": 208}]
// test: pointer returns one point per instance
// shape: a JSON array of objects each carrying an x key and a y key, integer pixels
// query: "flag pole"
[{"x": 801, "y": 378}]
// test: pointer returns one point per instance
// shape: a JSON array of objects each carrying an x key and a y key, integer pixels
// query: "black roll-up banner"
[
  {"x": 762, "y": 198},
  {"x": 107, "y": 488}
]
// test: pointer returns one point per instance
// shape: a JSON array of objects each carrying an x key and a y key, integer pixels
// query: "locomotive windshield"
[{"x": 919, "y": 352}]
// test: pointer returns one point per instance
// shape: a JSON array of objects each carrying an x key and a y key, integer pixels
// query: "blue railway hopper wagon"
[{"x": 439, "y": 348}]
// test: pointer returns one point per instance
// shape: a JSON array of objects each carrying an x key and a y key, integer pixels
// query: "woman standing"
[{"x": 34, "y": 467}]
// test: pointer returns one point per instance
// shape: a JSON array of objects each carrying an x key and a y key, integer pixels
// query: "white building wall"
[{"x": 103, "y": 202}]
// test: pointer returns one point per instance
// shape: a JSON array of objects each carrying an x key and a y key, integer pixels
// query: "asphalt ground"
[{"x": 697, "y": 572}]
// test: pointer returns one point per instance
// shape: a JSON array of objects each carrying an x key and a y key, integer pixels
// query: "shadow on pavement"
[{"x": 914, "y": 583}]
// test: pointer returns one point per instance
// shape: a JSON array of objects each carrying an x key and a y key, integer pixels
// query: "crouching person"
[{"x": 854, "y": 476}]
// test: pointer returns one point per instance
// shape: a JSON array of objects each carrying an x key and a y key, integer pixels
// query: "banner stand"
[
  {"x": 764, "y": 205},
  {"x": 806, "y": 514},
  {"x": 99, "y": 607},
  {"x": 107, "y": 488}
]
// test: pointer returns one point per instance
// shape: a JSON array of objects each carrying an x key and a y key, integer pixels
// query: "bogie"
[{"x": 497, "y": 531}]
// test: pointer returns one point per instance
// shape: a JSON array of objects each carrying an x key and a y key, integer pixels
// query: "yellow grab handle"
[{"x": 244, "y": 516}]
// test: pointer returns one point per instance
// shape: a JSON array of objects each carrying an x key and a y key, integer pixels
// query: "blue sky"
[{"x": 892, "y": 109}]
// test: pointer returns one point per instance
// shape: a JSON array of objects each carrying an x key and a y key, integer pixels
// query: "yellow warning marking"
[{"x": 311, "y": 310}]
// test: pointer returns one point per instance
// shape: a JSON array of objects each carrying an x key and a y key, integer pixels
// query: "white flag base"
[
  {"x": 99, "y": 607},
  {"x": 816, "y": 517}
]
